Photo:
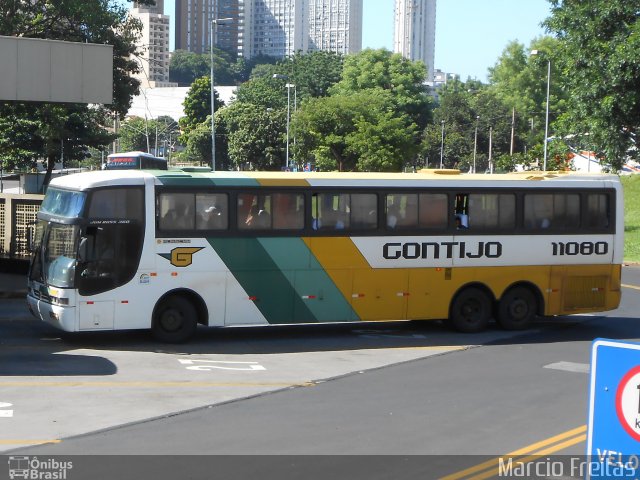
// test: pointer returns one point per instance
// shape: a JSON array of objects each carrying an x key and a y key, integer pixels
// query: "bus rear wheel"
[
  {"x": 470, "y": 310},
  {"x": 517, "y": 308},
  {"x": 174, "y": 320}
]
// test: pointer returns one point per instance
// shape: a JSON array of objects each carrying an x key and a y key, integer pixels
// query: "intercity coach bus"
[{"x": 168, "y": 250}]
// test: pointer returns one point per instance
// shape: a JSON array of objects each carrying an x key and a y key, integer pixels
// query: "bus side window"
[
  {"x": 212, "y": 211},
  {"x": 288, "y": 211},
  {"x": 492, "y": 211},
  {"x": 433, "y": 211},
  {"x": 598, "y": 215},
  {"x": 402, "y": 211},
  {"x": 254, "y": 212},
  {"x": 364, "y": 211},
  {"x": 332, "y": 211},
  {"x": 177, "y": 211},
  {"x": 559, "y": 211}
]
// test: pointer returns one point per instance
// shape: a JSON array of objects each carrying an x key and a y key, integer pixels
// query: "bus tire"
[
  {"x": 470, "y": 310},
  {"x": 174, "y": 320},
  {"x": 517, "y": 308}
]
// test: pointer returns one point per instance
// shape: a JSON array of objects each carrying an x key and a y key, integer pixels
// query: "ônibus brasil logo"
[{"x": 32, "y": 468}]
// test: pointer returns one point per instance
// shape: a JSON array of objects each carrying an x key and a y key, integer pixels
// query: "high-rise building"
[
  {"x": 335, "y": 25},
  {"x": 193, "y": 25},
  {"x": 154, "y": 44},
  {"x": 415, "y": 31},
  {"x": 277, "y": 28}
]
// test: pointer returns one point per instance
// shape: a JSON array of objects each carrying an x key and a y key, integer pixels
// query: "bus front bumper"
[{"x": 62, "y": 317}]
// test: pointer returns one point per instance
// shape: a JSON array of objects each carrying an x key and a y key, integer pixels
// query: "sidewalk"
[{"x": 13, "y": 285}]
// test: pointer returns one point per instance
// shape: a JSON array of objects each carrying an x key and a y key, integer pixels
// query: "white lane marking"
[
  {"x": 5, "y": 413},
  {"x": 207, "y": 365},
  {"x": 569, "y": 367}
]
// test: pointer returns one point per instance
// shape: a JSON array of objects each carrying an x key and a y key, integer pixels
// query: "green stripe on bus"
[
  {"x": 196, "y": 180},
  {"x": 270, "y": 288},
  {"x": 310, "y": 281}
]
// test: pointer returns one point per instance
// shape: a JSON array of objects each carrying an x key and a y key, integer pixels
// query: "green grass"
[{"x": 631, "y": 184}]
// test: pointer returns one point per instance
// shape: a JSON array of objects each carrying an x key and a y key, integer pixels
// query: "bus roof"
[{"x": 332, "y": 179}]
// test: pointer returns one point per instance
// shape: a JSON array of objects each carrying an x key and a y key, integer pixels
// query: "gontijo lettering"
[{"x": 413, "y": 250}]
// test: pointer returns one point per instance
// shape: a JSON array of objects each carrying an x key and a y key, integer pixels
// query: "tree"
[
  {"x": 256, "y": 136},
  {"x": 519, "y": 80},
  {"x": 135, "y": 135},
  {"x": 402, "y": 78},
  {"x": 76, "y": 125},
  {"x": 599, "y": 49},
  {"x": 197, "y": 104},
  {"x": 186, "y": 66},
  {"x": 356, "y": 131},
  {"x": 266, "y": 92}
]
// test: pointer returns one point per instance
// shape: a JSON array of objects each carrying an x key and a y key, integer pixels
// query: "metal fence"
[{"x": 17, "y": 212}]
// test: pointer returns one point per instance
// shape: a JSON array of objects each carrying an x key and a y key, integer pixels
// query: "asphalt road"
[{"x": 405, "y": 389}]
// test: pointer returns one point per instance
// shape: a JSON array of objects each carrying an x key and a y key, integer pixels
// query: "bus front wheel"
[
  {"x": 175, "y": 320},
  {"x": 517, "y": 309},
  {"x": 470, "y": 311}
]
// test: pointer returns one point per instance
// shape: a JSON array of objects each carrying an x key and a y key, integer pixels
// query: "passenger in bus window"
[
  {"x": 462, "y": 221},
  {"x": 258, "y": 218},
  {"x": 393, "y": 214},
  {"x": 210, "y": 219}
]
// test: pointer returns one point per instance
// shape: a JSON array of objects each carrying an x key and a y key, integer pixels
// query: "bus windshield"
[
  {"x": 63, "y": 203},
  {"x": 55, "y": 261}
]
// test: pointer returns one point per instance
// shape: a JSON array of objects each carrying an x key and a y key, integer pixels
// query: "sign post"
[{"x": 613, "y": 433}]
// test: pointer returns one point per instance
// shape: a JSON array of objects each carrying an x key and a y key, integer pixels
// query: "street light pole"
[
  {"x": 546, "y": 121},
  {"x": 289, "y": 86},
  {"x": 475, "y": 144},
  {"x": 442, "y": 146},
  {"x": 490, "y": 148},
  {"x": 214, "y": 23}
]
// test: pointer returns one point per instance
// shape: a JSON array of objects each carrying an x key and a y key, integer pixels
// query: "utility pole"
[{"x": 513, "y": 128}]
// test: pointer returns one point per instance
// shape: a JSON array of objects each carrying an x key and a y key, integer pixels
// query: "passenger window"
[
  {"x": 364, "y": 211},
  {"x": 212, "y": 211},
  {"x": 433, "y": 211},
  {"x": 598, "y": 210},
  {"x": 401, "y": 211},
  {"x": 254, "y": 212},
  {"x": 343, "y": 211},
  {"x": 558, "y": 211},
  {"x": 288, "y": 211},
  {"x": 487, "y": 211},
  {"x": 176, "y": 211},
  {"x": 331, "y": 211}
]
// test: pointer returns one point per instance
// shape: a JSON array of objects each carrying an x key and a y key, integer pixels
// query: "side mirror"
[{"x": 82, "y": 250}]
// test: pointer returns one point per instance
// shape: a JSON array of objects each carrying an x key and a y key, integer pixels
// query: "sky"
[{"x": 470, "y": 34}]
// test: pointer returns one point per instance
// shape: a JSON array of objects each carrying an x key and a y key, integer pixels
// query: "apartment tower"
[
  {"x": 335, "y": 25},
  {"x": 415, "y": 31},
  {"x": 154, "y": 44},
  {"x": 193, "y": 20},
  {"x": 278, "y": 28}
]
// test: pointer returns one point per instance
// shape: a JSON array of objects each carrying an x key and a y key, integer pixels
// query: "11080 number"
[{"x": 580, "y": 248}]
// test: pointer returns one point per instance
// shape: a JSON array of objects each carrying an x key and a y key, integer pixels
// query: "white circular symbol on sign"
[{"x": 628, "y": 402}]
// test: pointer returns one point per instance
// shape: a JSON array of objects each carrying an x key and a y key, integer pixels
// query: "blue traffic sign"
[{"x": 613, "y": 429}]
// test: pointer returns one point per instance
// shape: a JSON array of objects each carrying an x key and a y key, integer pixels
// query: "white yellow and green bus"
[{"x": 169, "y": 250}]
